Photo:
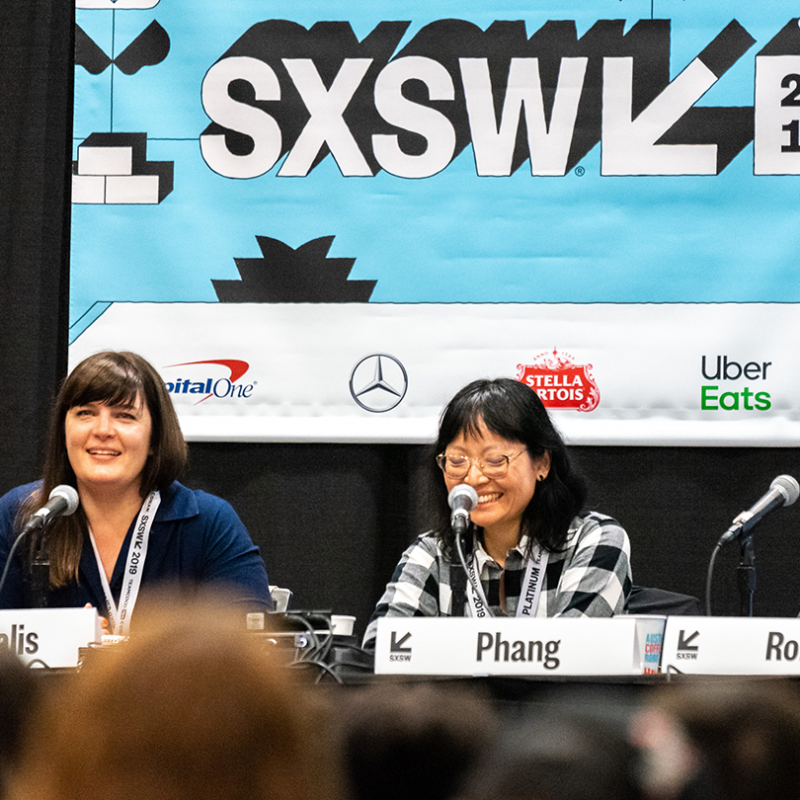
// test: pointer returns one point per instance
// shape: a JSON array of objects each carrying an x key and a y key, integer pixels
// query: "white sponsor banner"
[
  {"x": 732, "y": 646},
  {"x": 48, "y": 637},
  {"x": 512, "y": 646},
  {"x": 612, "y": 374}
]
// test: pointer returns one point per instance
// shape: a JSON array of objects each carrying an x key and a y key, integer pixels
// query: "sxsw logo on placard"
[
  {"x": 398, "y": 649},
  {"x": 560, "y": 382},
  {"x": 203, "y": 380},
  {"x": 687, "y": 646}
]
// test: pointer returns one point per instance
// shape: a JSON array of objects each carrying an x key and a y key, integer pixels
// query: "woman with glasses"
[{"x": 529, "y": 551}]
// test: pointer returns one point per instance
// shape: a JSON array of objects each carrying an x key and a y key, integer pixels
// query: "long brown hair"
[{"x": 112, "y": 378}]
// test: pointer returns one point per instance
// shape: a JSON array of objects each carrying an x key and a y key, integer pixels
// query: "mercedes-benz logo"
[{"x": 378, "y": 383}]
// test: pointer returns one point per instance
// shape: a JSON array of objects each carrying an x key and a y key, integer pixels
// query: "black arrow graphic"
[
  {"x": 685, "y": 643},
  {"x": 397, "y": 647}
]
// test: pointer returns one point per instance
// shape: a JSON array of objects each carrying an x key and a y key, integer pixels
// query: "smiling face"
[
  {"x": 501, "y": 501},
  {"x": 108, "y": 446}
]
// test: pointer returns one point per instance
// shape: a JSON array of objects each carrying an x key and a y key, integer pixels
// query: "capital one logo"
[{"x": 213, "y": 378}]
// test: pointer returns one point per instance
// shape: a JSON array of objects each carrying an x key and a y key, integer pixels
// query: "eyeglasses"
[{"x": 458, "y": 466}]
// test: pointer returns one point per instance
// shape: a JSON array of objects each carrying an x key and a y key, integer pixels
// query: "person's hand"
[{"x": 103, "y": 620}]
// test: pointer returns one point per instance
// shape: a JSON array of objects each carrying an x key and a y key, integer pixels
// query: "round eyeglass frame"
[{"x": 493, "y": 473}]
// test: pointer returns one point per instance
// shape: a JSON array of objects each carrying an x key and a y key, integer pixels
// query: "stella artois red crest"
[{"x": 560, "y": 382}]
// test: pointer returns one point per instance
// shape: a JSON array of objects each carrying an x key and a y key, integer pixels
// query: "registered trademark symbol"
[{"x": 580, "y": 171}]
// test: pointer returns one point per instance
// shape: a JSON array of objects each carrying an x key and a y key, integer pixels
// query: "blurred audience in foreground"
[
  {"x": 190, "y": 707},
  {"x": 412, "y": 741},
  {"x": 554, "y": 753},
  {"x": 737, "y": 739},
  {"x": 19, "y": 691}
]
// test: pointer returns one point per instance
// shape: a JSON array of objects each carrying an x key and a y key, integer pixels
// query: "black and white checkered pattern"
[{"x": 591, "y": 577}]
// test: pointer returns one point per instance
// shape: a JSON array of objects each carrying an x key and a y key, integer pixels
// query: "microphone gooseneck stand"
[
  {"x": 63, "y": 501},
  {"x": 783, "y": 491},
  {"x": 40, "y": 574},
  {"x": 746, "y": 576},
  {"x": 462, "y": 499},
  {"x": 471, "y": 579},
  {"x": 39, "y": 578},
  {"x": 710, "y": 574},
  {"x": 35, "y": 524},
  {"x": 9, "y": 557},
  {"x": 745, "y": 572}
]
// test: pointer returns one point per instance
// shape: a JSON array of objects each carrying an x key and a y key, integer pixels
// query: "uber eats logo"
[{"x": 735, "y": 385}]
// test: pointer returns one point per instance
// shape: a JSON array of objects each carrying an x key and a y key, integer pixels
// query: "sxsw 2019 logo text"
[{"x": 282, "y": 92}]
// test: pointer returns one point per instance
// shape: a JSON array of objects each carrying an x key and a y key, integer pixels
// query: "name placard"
[
  {"x": 49, "y": 637},
  {"x": 470, "y": 646},
  {"x": 732, "y": 645}
]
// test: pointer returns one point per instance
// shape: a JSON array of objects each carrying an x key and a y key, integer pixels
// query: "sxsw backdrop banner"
[{"x": 320, "y": 219}]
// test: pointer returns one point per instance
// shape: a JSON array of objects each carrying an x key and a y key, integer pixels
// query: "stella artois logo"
[{"x": 560, "y": 382}]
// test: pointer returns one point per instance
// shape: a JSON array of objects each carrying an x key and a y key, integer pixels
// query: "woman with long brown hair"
[{"x": 115, "y": 438}]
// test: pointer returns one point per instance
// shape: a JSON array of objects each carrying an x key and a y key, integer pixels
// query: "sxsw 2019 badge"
[{"x": 560, "y": 382}]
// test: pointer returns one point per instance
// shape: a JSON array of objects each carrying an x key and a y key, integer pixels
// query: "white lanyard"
[
  {"x": 119, "y": 618},
  {"x": 530, "y": 592}
]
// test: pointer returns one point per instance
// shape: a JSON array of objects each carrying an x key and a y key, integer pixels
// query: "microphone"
[
  {"x": 783, "y": 491},
  {"x": 63, "y": 502},
  {"x": 462, "y": 499}
]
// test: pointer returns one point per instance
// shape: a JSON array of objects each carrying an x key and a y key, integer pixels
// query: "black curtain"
[{"x": 36, "y": 42}]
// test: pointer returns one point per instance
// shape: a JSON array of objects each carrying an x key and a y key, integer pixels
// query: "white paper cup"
[
  {"x": 281, "y": 597},
  {"x": 342, "y": 624}
]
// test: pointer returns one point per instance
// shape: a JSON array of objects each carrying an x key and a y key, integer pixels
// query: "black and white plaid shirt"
[{"x": 591, "y": 577}]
